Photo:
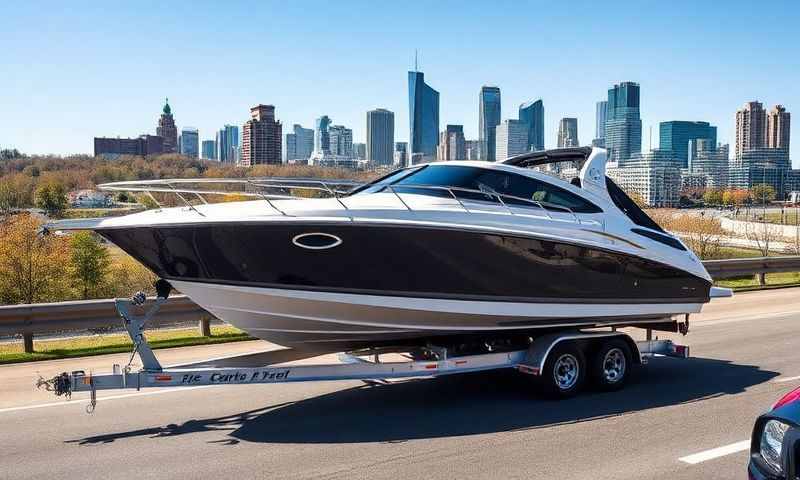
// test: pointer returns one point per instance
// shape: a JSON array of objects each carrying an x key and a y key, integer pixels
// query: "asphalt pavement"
[{"x": 678, "y": 419}]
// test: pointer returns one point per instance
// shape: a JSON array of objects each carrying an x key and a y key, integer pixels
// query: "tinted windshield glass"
[
  {"x": 624, "y": 203},
  {"x": 492, "y": 181}
]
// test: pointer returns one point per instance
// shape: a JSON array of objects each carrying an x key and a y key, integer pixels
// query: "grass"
[
  {"x": 790, "y": 216},
  {"x": 734, "y": 252},
  {"x": 772, "y": 280},
  {"x": 116, "y": 343}
]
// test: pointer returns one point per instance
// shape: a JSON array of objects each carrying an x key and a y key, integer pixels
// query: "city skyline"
[{"x": 683, "y": 85}]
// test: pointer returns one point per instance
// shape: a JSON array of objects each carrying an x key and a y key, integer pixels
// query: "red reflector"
[
  {"x": 163, "y": 378},
  {"x": 790, "y": 397},
  {"x": 460, "y": 362},
  {"x": 430, "y": 367}
]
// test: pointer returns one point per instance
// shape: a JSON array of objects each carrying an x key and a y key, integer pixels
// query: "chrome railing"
[{"x": 264, "y": 189}]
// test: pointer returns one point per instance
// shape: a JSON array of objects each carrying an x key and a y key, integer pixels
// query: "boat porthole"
[{"x": 316, "y": 241}]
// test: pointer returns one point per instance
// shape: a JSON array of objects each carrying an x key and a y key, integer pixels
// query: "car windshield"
[{"x": 482, "y": 184}]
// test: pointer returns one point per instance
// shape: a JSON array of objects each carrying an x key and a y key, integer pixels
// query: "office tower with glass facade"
[
  {"x": 167, "y": 130},
  {"x": 401, "y": 154},
  {"x": 190, "y": 142},
  {"x": 341, "y": 141},
  {"x": 209, "y": 148},
  {"x": 452, "y": 145},
  {"x": 532, "y": 114},
  {"x": 623, "y": 123},
  {"x": 473, "y": 148},
  {"x": 675, "y": 136},
  {"x": 380, "y": 137},
  {"x": 488, "y": 119},
  {"x": 568, "y": 133},
  {"x": 359, "y": 151},
  {"x": 600, "y": 114},
  {"x": 512, "y": 139},
  {"x": 423, "y": 118},
  {"x": 261, "y": 138},
  {"x": 298, "y": 145},
  {"x": 228, "y": 144},
  {"x": 709, "y": 160},
  {"x": 322, "y": 139}
]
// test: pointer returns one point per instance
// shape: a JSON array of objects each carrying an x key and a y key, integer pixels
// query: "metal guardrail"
[
  {"x": 27, "y": 320},
  {"x": 736, "y": 267}
]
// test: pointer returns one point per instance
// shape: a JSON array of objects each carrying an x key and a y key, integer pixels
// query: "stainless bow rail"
[{"x": 274, "y": 189}]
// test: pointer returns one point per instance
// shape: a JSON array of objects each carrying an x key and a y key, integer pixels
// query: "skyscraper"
[
  {"x": 568, "y": 133},
  {"x": 209, "y": 148},
  {"x": 322, "y": 140},
  {"x": 401, "y": 153},
  {"x": 261, "y": 137},
  {"x": 359, "y": 151},
  {"x": 423, "y": 117},
  {"x": 600, "y": 114},
  {"x": 778, "y": 122},
  {"x": 473, "y": 148},
  {"x": 341, "y": 141},
  {"x": 380, "y": 136},
  {"x": 167, "y": 129},
  {"x": 190, "y": 142},
  {"x": 512, "y": 139},
  {"x": 675, "y": 136},
  {"x": 299, "y": 144},
  {"x": 532, "y": 114},
  {"x": 228, "y": 144},
  {"x": 452, "y": 145},
  {"x": 623, "y": 123},
  {"x": 751, "y": 128},
  {"x": 488, "y": 119}
]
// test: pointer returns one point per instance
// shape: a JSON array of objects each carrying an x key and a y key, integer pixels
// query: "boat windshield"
[
  {"x": 629, "y": 207},
  {"x": 530, "y": 192}
]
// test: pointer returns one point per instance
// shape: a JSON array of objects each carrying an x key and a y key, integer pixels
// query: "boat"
[{"x": 444, "y": 249}]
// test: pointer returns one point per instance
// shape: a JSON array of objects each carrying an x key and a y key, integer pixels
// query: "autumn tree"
[
  {"x": 51, "y": 197},
  {"x": 763, "y": 193},
  {"x": 713, "y": 197},
  {"x": 702, "y": 234},
  {"x": 89, "y": 261},
  {"x": 32, "y": 265}
]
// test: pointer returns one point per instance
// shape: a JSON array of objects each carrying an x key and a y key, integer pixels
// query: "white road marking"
[
  {"x": 742, "y": 318},
  {"x": 102, "y": 399},
  {"x": 700, "y": 457},
  {"x": 786, "y": 379}
]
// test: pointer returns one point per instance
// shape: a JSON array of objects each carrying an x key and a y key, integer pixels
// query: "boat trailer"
[{"x": 363, "y": 365}]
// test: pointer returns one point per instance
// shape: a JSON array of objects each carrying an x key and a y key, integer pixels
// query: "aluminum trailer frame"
[{"x": 354, "y": 367}]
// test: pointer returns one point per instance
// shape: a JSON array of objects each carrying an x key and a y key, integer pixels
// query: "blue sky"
[{"x": 75, "y": 70}]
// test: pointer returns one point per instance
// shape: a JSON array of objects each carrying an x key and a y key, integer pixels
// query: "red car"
[{"x": 775, "y": 443}]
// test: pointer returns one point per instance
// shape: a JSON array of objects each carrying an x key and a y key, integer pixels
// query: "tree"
[
  {"x": 727, "y": 197},
  {"x": 90, "y": 262},
  {"x": 761, "y": 234},
  {"x": 741, "y": 197},
  {"x": 713, "y": 197},
  {"x": 16, "y": 191},
  {"x": 31, "y": 264},
  {"x": 51, "y": 197},
  {"x": 763, "y": 193},
  {"x": 702, "y": 234}
]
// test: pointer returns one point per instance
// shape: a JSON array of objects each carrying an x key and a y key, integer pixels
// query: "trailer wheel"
[
  {"x": 612, "y": 365},
  {"x": 564, "y": 371}
]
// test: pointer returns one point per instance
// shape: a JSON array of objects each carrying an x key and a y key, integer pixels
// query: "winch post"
[{"x": 135, "y": 324}]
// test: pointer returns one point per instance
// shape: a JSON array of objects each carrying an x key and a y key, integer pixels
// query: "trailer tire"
[
  {"x": 611, "y": 366},
  {"x": 564, "y": 371}
]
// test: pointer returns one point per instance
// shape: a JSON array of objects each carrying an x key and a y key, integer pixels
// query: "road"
[{"x": 678, "y": 419}]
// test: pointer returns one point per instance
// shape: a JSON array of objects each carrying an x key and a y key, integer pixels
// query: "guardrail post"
[
  {"x": 27, "y": 342},
  {"x": 761, "y": 278},
  {"x": 205, "y": 326}
]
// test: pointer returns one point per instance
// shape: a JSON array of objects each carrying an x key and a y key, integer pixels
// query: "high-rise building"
[
  {"x": 380, "y": 136},
  {"x": 142, "y": 146},
  {"x": 778, "y": 122},
  {"x": 623, "y": 123},
  {"x": 710, "y": 160},
  {"x": 452, "y": 145},
  {"x": 473, "y": 149},
  {"x": 209, "y": 148},
  {"x": 359, "y": 151},
  {"x": 167, "y": 130},
  {"x": 423, "y": 118},
  {"x": 654, "y": 176},
  {"x": 532, "y": 113},
  {"x": 675, "y": 136},
  {"x": 488, "y": 119},
  {"x": 341, "y": 141},
  {"x": 322, "y": 140},
  {"x": 600, "y": 114},
  {"x": 568, "y": 133},
  {"x": 228, "y": 144},
  {"x": 401, "y": 154},
  {"x": 751, "y": 128},
  {"x": 512, "y": 139},
  {"x": 261, "y": 137},
  {"x": 190, "y": 142},
  {"x": 298, "y": 145}
]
